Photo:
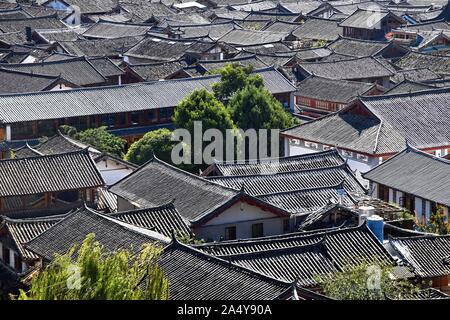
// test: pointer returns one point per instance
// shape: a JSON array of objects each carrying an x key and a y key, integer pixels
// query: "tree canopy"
[
  {"x": 438, "y": 223},
  {"x": 367, "y": 282},
  {"x": 156, "y": 142},
  {"x": 255, "y": 107},
  {"x": 98, "y": 138},
  {"x": 202, "y": 107},
  {"x": 233, "y": 78},
  {"x": 89, "y": 273}
]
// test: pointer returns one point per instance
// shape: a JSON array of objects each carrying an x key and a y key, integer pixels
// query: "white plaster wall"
[
  {"x": 243, "y": 220},
  {"x": 60, "y": 87},
  {"x": 238, "y": 212},
  {"x": 360, "y": 166},
  {"x": 112, "y": 171},
  {"x": 296, "y": 150},
  {"x": 272, "y": 226}
]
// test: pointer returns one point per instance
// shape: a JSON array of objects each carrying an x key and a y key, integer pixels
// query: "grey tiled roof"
[
  {"x": 345, "y": 246},
  {"x": 24, "y": 230},
  {"x": 195, "y": 275},
  {"x": 156, "y": 71},
  {"x": 265, "y": 184},
  {"x": 308, "y": 201},
  {"x": 111, "y": 30},
  {"x": 114, "y": 99},
  {"x": 99, "y": 47},
  {"x": 323, "y": 159},
  {"x": 358, "y": 48},
  {"x": 213, "y": 31},
  {"x": 418, "y": 75},
  {"x": 349, "y": 69},
  {"x": 415, "y": 60},
  {"x": 156, "y": 183},
  {"x": 77, "y": 70},
  {"x": 12, "y": 38},
  {"x": 318, "y": 29},
  {"x": 56, "y": 144},
  {"x": 428, "y": 255},
  {"x": 12, "y": 81},
  {"x": 56, "y": 35},
  {"x": 144, "y": 10},
  {"x": 341, "y": 91},
  {"x": 53, "y": 173},
  {"x": 417, "y": 173},
  {"x": 420, "y": 117},
  {"x": 303, "y": 264},
  {"x": 164, "y": 219},
  {"x": 407, "y": 86},
  {"x": 161, "y": 49},
  {"x": 93, "y": 6},
  {"x": 359, "y": 133},
  {"x": 250, "y": 37},
  {"x": 111, "y": 233},
  {"x": 43, "y": 22},
  {"x": 365, "y": 19},
  {"x": 246, "y": 60}
]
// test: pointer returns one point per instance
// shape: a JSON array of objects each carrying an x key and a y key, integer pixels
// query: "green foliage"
[
  {"x": 68, "y": 130},
  {"x": 367, "y": 282},
  {"x": 202, "y": 106},
  {"x": 188, "y": 238},
  {"x": 43, "y": 139},
  {"x": 234, "y": 77},
  {"x": 114, "y": 276},
  {"x": 319, "y": 44},
  {"x": 102, "y": 140},
  {"x": 156, "y": 142},
  {"x": 255, "y": 107},
  {"x": 437, "y": 223},
  {"x": 406, "y": 215}
]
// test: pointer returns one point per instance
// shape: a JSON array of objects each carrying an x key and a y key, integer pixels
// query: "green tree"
[
  {"x": 234, "y": 77},
  {"x": 102, "y": 140},
  {"x": 156, "y": 142},
  {"x": 438, "y": 223},
  {"x": 88, "y": 273},
  {"x": 255, "y": 107},
  {"x": 188, "y": 238},
  {"x": 68, "y": 130},
  {"x": 202, "y": 106},
  {"x": 366, "y": 282}
]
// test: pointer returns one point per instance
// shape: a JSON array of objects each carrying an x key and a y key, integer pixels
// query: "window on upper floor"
[
  {"x": 230, "y": 233},
  {"x": 257, "y": 230}
]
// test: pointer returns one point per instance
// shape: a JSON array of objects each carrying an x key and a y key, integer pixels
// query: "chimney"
[{"x": 29, "y": 34}]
